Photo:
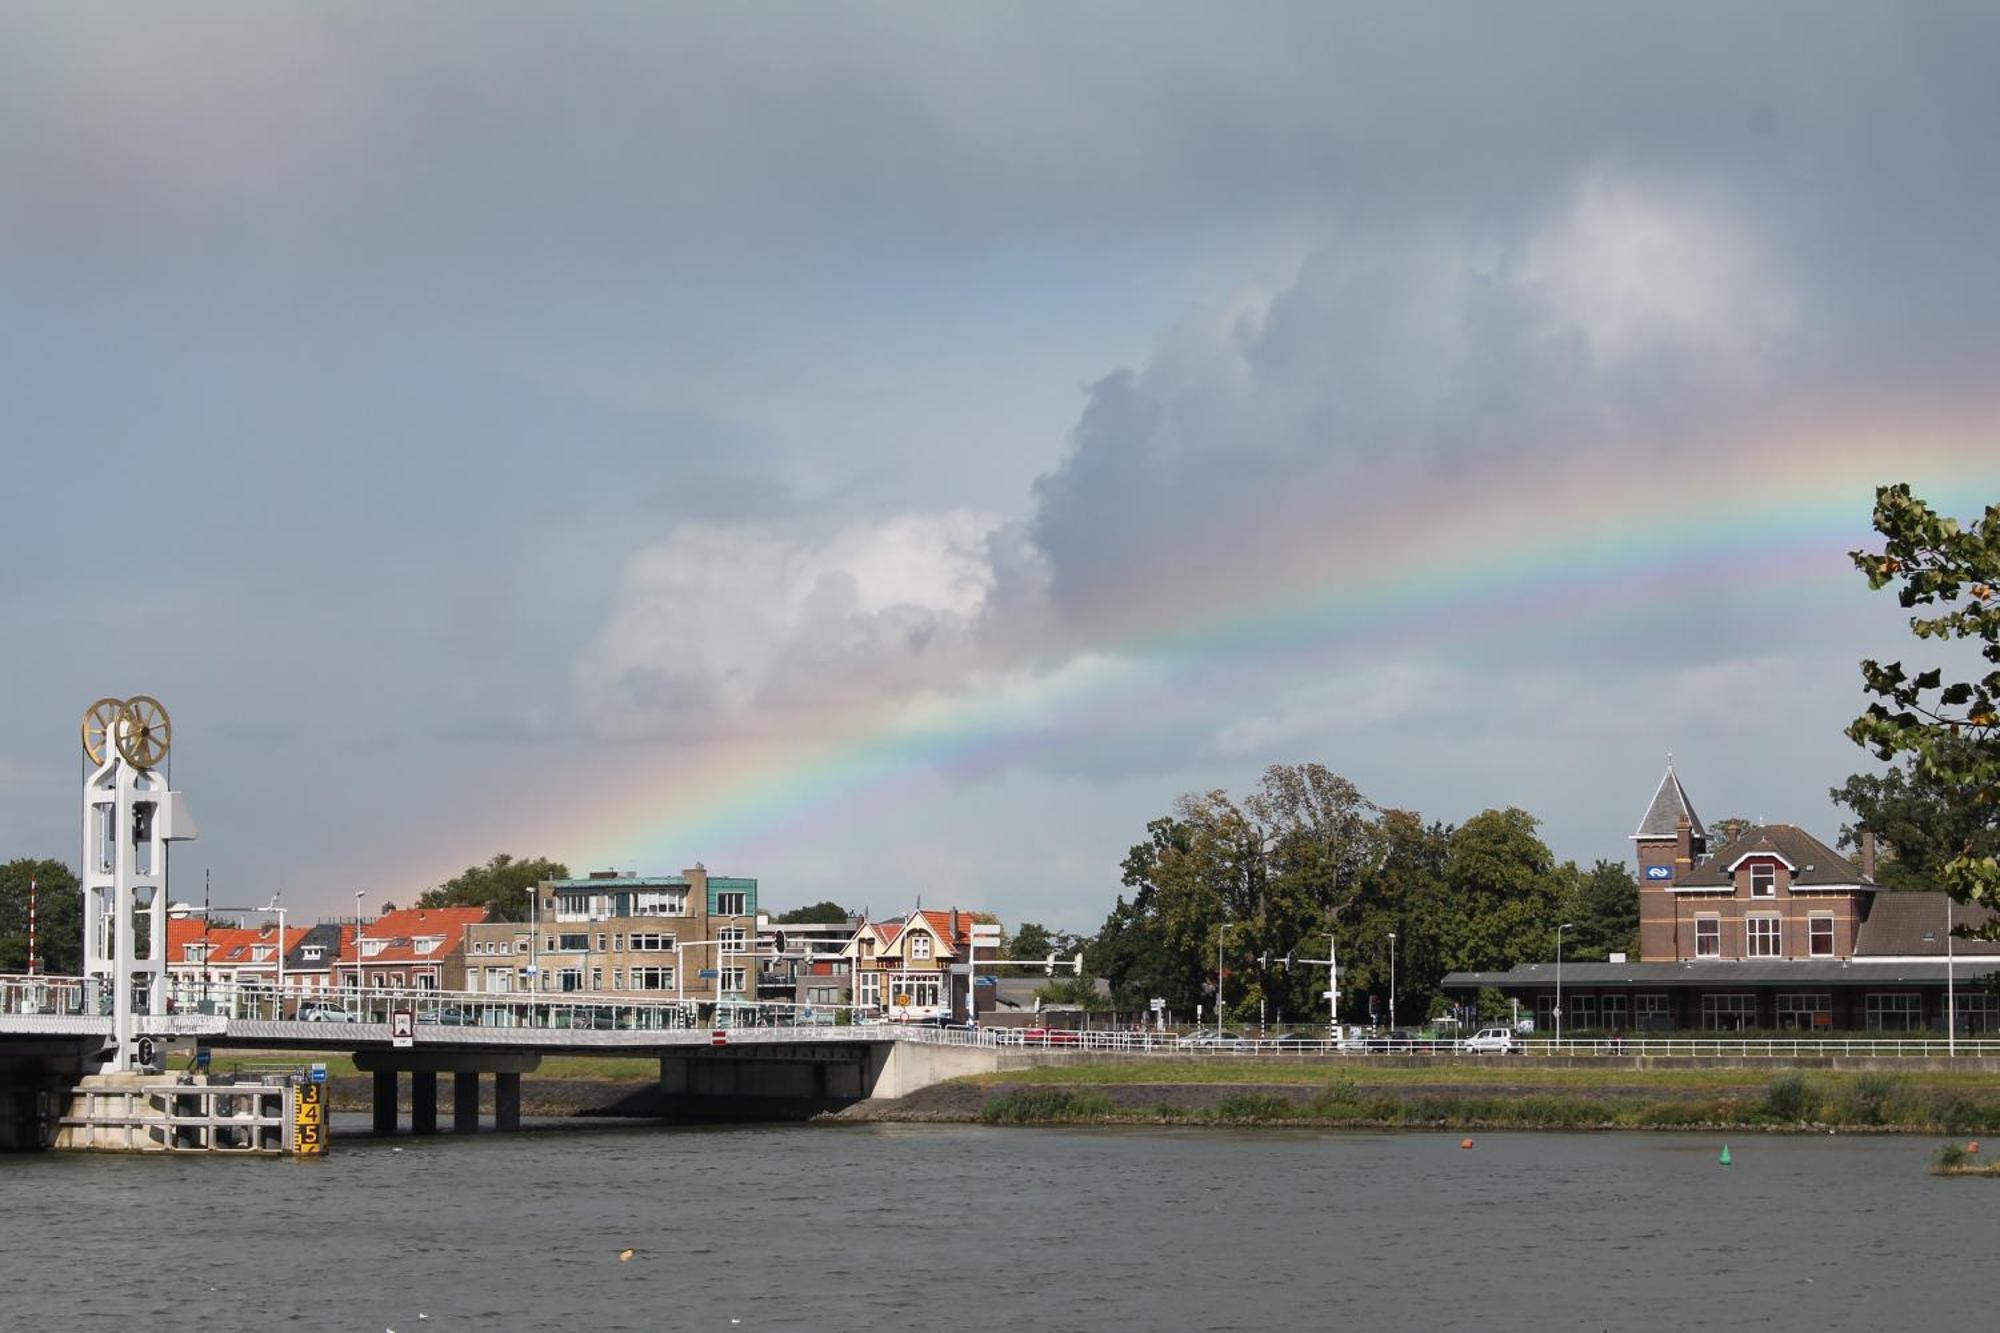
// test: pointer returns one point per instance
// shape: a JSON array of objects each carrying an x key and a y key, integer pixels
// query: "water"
[{"x": 962, "y": 1228}]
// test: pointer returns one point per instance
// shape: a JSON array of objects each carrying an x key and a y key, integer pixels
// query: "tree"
[
  {"x": 502, "y": 882},
  {"x": 1603, "y": 904},
  {"x": 1950, "y": 732},
  {"x": 1917, "y": 822},
  {"x": 825, "y": 913},
  {"x": 1504, "y": 893},
  {"x": 58, "y": 917},
  {"x": 1032, "y": 940}
]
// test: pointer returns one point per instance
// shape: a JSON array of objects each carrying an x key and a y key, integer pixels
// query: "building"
[
  {"x": 903, "y": 969},
  {"x": 1773, "y": 930},
  {"x": 207, "y": 962},
  {"x": 418, "y": 948},
  {"x": 310, "y": 963},
  {"x": 690, "y": 936}
]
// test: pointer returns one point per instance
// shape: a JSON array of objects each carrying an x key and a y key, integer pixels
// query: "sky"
[{"x": 894, "y": 450}]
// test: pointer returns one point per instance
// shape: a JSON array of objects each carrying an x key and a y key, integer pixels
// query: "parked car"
[
  {"x": 1488, "y": 1041},
  {"x": 1303, "y": 1036},
  {"x": 324, "y": 1011},
  {"x": 1049, "y": 1037},
  {"x": 451, "y": 1016},
  {"x": 1210, "y": 1040},
  {"x": 1394, "y": 1041}
]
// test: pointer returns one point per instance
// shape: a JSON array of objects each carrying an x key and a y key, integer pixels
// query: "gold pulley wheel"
[
  {"x": 99, "y": 721},
  {"x": 147, "y": 734}
]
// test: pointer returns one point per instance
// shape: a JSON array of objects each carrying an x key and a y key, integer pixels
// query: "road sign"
[
  {"x": 1158, "y": 1006},
  {"x": 985, "y": 932},
  {"x": 708, "y": 974},
  {"x": 718, "y": 1038},
  {"x": 531, "y": 971},
  {"x": 402, "y": 1028},
  {"x": 319, "y": 1073}
]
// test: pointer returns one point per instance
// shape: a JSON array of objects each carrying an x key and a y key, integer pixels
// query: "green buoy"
[{"x": 1724, "y": 1159}]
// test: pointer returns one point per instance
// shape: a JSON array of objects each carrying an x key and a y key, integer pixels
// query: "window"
[
  {"x": 733, "y": 978},
  {"x": 871, "y": 988},
  {"x": 1805, "y": 1011},
  {"x": 1708, "y": 937},
  {"x": 570, "y": 979},
  {"x": 731, "y": 938},
  {"x": 424, "y": 981},
  {"x": 597, "y": 978},
  {"x": 649, "y": 942},
  {"x": 575, "y": 943},
  {"x": 659, "y": 902},
  {"x": 1821, "y": 931},
  {"x": 617, "y": 978},
  {"x": 1728, "y": 1013},
  {"x": 618, "y": 944},
  {"x": 521, "y": 945},
  {"x": 1764, "y": 881},
  {"x": 729, "y": 904},
  {"x": 652, "y": 978},
  {"x": 1901, "y": 1011},
  {"x": 601, "y": 941},
  {"x": 1615, "y": 1019},
  {"x": 920, "y": 945},
  {"x": 1978, "y": 1011},
  {"x": 1764, "y": 936}
]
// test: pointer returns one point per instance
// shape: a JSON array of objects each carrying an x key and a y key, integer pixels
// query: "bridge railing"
[{"x": 41, "y": 994}]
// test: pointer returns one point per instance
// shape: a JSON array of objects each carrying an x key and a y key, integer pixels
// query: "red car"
[{"x": 1048, "y": 1037}]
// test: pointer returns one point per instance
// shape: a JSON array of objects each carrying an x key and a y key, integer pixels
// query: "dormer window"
[
  {"x": 312, "y": 954},
  {"x": 1764, "y": 881},
  {"x": 920, "y": 946}
]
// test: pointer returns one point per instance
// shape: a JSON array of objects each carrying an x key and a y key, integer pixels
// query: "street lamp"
[
  {"x": 1567, "y": 925},
  {"x": 275, "y": 906},
  {"x": 1950, "y": 988},
  {"x": 359, "y": 894},
  {"x": 1392, "y": 979},
  {"x": 1220, "y": 931},
  {"x": 534, "y": 938}
]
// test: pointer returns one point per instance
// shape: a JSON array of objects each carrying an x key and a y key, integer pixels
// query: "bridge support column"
[
  {"x": 423, "y": 1101},
  {"x": 465, "y": 1102},
  {"x": 506, "y": 1101},
  {"x": 385, "y": 1101}
]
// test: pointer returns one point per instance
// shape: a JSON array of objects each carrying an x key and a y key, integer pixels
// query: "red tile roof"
[{"x": 403, "y": 929}]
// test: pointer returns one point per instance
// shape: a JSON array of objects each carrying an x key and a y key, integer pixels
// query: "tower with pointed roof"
[{"x": 1669, "y": 841}]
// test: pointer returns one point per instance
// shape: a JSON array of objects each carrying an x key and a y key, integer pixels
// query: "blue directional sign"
[
  {"x": 1659, "y": 872},
  {"x": 708, "y": 972}
]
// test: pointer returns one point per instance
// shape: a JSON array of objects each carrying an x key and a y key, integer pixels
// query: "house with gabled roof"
[
  {"x": 1772, "y": 930},
  {"x": 210, "y": 962},
  {"x": 903, "y": 967},
  {"x": 417, "y": 948}
]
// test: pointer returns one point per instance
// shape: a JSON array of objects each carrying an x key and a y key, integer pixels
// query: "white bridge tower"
[{"x": 129, "y": 817}]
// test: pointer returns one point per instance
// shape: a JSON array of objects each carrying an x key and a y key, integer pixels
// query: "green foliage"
[
  {"x": 501, "y": 883},
  {"x": 1868, "y": 1099},
  {"x": 1791, "y": 1098},
  {"x": 1949, "y": 731},
  {"x": 1029, "y": 1106},
  {"x": 1604, "y": 905},
  {"x": 818, "y": 914},
  {"x": 1920, "y": 822},
  {"x": 58, "y": 917},
  {"x": 1951, "y": 1157}
]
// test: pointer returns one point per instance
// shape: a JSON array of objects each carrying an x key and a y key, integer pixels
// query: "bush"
[
  {"x": 1870, "y": 1099},
  {"x": 1029, "y": 1106},
  {"x": 1255, "y": 1106},
  {"x": 1950, "y": 1157},
  {"x": 1790, "y": 1098}
]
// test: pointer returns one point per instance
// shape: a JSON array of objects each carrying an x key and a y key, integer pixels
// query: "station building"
[{"x": 1773, "y": 930}]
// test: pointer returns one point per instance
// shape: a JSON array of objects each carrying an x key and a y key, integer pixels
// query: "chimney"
[
  {"x": 1868, "y": 855},
  {"x": 954, "y": 928},
  {"x": 1683, "y": 846}
]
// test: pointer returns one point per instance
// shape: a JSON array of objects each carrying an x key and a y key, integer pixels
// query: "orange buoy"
[
  {"x": 1973, "y": 1146},
  {"x": 1467, "y": 1143}
]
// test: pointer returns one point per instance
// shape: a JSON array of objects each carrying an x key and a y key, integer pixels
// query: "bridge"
[{"x": 749, "y": 1060}]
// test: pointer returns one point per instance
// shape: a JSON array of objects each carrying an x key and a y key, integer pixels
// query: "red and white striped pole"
[{"x": 31, "y": 925}]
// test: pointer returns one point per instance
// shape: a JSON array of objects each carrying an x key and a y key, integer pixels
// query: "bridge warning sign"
[{"x": 309, "y": 1119}]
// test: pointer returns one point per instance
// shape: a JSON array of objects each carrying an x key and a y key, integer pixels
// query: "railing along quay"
[{"x": 437, "y": 1012}]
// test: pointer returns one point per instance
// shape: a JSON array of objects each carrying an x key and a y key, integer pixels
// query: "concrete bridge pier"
[
  {"x": 464, "y": 1102},
  {"x": 465, "y": 1067}
]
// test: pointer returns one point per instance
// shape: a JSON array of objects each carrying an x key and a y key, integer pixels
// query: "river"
[{"x": 968, "y": 1228}]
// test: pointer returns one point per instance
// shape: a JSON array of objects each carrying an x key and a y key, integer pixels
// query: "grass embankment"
[{"x": 1535, "y": 1099}]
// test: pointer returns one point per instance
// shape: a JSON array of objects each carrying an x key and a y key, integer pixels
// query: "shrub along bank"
[{"x": 1791, "y": 1101}]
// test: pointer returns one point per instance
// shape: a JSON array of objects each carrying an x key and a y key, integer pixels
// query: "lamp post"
[
  {"x": 1392, "y": 980},
  {"x": 275, "y": 906},
  {"x": 534, "y": 940},
  {"x": 1567, "y": 925},
  {"x": 359, "y": 894},
  {"x": 1950, "y": 989},
  {"x": 1220, "y": 931}
]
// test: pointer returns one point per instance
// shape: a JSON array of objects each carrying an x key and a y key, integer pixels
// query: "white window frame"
[
  {"x": 920, "y": 947},
  {"x": 1763, "y": 936},
  {"x": 1708, "y": 919},
  {"x": 1765, "y": 875},
  {"x": 1813, "y": 924},
  {"x": 731, "y": 902}
]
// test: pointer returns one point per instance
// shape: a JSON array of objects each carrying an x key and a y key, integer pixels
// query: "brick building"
[{"x": 1772, "y": 930}]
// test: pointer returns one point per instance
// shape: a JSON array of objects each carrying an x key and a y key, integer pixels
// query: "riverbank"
[{"x": 1468, "y": 1098}]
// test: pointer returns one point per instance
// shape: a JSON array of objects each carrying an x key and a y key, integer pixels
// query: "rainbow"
[{"x": 1457, "y": 562}]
